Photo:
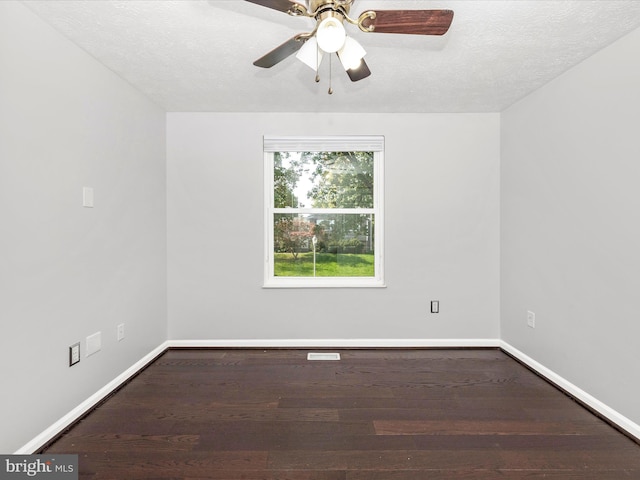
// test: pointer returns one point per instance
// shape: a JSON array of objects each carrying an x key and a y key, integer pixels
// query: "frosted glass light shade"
[
  {"x": 309, "y": 54},
  {"x": 331, "y": 35},
  {"x": 351, "y": 54}
]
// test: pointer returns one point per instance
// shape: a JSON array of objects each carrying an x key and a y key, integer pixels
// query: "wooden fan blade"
[
  {"x": 278, "y": 54},
  {"x": 280, "y": 5},
  {"x": 414, "y": 22},
  {"x": 362, "y": 71}
]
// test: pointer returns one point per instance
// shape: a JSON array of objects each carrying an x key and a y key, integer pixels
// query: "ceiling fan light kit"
[
  {"x": 310, "y": 54},
  {"x": 329, "y": 35},
  {"x": 351, "y": 54}
]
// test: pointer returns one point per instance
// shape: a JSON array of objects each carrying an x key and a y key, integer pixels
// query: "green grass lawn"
[{"x": 327, "y": 265}]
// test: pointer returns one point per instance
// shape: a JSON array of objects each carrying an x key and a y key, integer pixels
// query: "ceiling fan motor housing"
[{"x": 321, "y": 6}]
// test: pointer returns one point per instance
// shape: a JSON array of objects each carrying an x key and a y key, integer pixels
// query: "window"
[{"x": 323, "y": 211}]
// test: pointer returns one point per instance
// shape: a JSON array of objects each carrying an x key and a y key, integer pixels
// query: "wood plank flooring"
[{"x": 374, "y": 415}]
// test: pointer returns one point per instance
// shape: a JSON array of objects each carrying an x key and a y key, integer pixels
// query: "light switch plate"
[{"x": 87, "y": 197}]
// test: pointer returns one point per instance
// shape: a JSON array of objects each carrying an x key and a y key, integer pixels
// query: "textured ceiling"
[{"x": 197, "y": 55}]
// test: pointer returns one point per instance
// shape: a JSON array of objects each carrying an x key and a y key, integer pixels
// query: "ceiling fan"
[{"x": 329, "y": 35}]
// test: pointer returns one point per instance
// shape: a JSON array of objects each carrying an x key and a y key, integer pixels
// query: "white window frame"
[{"x": 363, "y": 143}]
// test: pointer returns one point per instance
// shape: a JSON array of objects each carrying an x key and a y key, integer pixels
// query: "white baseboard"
[
  {"x": 613, "y": 416},
  {"x": 340, "y": 343},
  {"x": 602, "y": 409},
  {"x": 64, "y": 422}
]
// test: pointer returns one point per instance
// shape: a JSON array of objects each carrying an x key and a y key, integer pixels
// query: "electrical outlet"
[
  {"x": 74, "y": 354},
  {"x": 435, "y": 306},
  {"x": 120, "y": 330},
  {"x": 531, "y": 319}
]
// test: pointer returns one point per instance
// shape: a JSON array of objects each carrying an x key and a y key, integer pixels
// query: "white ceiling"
[{"x": 196, "y": 55}]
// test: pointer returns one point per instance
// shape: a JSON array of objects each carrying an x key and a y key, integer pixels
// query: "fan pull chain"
[
  {"x": 330, "y": 71},
  {"x": 317, "y": 64}
]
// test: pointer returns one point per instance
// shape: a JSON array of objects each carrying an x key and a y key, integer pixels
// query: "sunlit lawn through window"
[{"x": 327, "y": 265}]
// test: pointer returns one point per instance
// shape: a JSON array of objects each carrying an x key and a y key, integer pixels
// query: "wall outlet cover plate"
[
  {"x": 435, "y": 306},
  {"x": 531, "y": 319},
  {"x": 94, "y": 343}
]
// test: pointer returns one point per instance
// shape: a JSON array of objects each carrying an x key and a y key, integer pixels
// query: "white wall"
[
  {"x": 442, "y": 231},
  {"x": 65, "y": 271},
  {"x": 571, "y": 225}
]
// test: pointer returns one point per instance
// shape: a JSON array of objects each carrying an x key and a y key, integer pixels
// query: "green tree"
[
  {"x": 331, "y": 180},
  {"x": 286, "y": 174},
  {"x": 292, "y": 234},
  {"x": 343, "y": 180}
]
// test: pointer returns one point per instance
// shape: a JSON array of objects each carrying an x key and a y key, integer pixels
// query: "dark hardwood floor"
[{"x": 374, "y": 415}]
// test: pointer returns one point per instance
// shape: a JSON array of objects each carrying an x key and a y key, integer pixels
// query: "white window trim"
[{"x": 366, "y": 143}]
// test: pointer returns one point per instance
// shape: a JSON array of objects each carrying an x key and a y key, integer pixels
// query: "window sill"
[{"x": 324, "y": 283}]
